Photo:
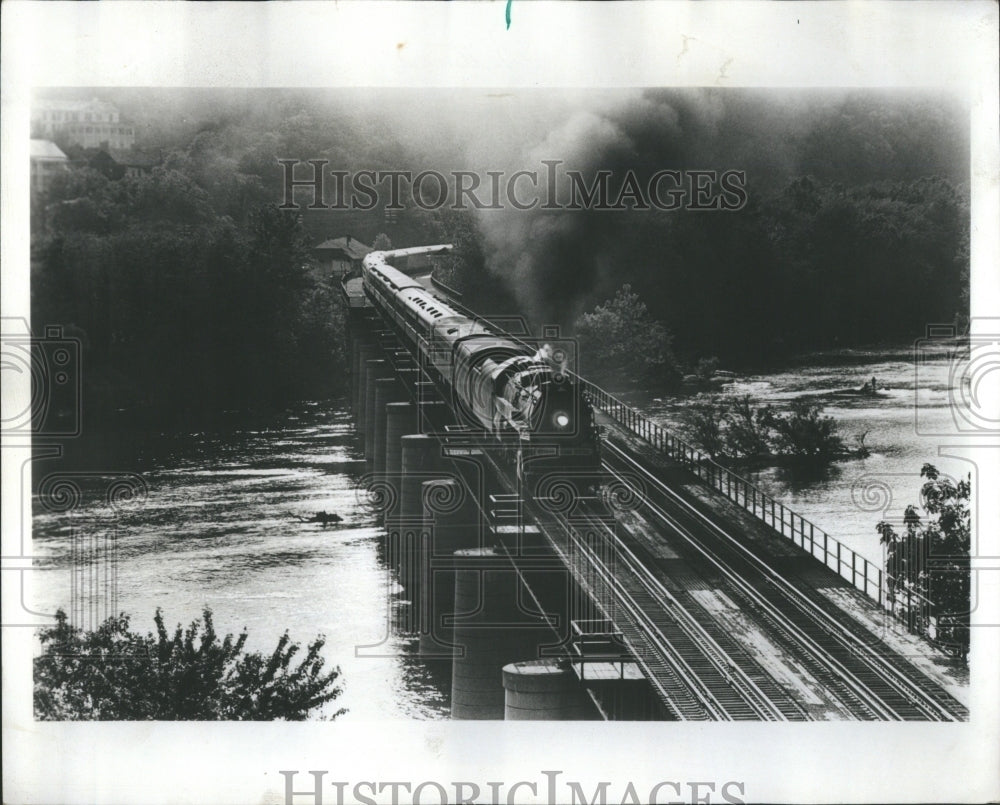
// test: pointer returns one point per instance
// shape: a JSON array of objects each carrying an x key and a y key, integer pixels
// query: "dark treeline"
[
  {"x": 193, "y": 293},
  {"x": 183, "y": 310},
  {"x": 814, "y": 265}
]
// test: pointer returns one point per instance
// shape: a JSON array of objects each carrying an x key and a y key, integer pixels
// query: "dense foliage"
[
  {"x": 736, "y": 431},
  {"x": 183, "y": 310},
  {"x": 113, "y": 673},
  {"x": 929, "y": 557},
  {"x": 811, "y": 265},
  {"x": 621, "y": 342}
]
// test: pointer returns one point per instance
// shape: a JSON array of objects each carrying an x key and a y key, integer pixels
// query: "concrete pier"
[
  {"x": 421, "y": 462},
  {"x": 433, "y": 416},
  {"x": 361, "y": 337},
  {"x": 400, "y": 421},
  {"x": 544, "y": 690},
  {"x": 387, "y": 390},
  {"x": 367, "y": 350},
  {"x": 490, "y": 631},
  {"x": 452, "y": 522},
  {"x": 375, "y": 370}
]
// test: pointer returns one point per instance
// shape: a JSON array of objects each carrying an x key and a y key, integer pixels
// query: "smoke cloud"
[{"x": 560, "y": 262}]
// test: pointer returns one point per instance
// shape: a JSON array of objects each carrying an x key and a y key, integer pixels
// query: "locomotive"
[{"x": 527, "y": 404}]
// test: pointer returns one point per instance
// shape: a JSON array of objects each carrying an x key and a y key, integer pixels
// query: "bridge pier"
[
  {"x": 544, "y": 690},
  {"x": 421, "y": 461},
  {"x": 358, "y": 335},
  {"x": 375, "y": 370},
  {"x": 400, "y": 421},
  {"x": 387, "y": 390},
  {"x": 491, "y": 629},
  {"x": 367, "y": 350},
  {"x": 452, "y": 522},
  {"x": 432, "y": 414}
]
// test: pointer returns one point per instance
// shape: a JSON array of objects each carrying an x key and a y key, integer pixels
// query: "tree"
[
  {"x": 804, "y": 432},
  {"x": 930, "y": 558},
  {"x": 748, "y": 432},
  {"x": 705, "y": 421},
  {"x": 737, "y": 430},
  {"x": 188, "y": 311},
  {"x": 381, "y": 242},
  {"x": 113, "y": 673},
  {"x": 624, "y": 342}
]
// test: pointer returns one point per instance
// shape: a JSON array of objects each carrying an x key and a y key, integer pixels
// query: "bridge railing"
[{"x": 909, "y": 607}]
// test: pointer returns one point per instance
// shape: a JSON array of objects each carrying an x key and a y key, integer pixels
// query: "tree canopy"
[
  {"x": 115, "y": 674},
  {"x": 622, "y": 341},
  {"x": 736, "y": 430},
  {"x": 185, "y": 309},
  {"x": 929, "y": 558}
]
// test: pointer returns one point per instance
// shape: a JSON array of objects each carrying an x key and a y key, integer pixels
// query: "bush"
[
  {"x": 626, "y": 345},
  {"x": 115, "y": 674},
  {"x": 804, "y": 432},
  {"x": 930, "y": 558},
  {"x": 738, "y": 430}
]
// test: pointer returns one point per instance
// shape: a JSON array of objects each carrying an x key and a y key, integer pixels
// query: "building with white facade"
[{"x": 90, "y": 124}]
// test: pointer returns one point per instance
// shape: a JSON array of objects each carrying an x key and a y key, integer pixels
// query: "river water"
[
  {"x": 216, "y": 527},
  {"x": 904, "y": 427}
]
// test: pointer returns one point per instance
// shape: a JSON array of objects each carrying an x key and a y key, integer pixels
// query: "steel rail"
[
  {"x": 835, "y": 629},
  {"x": 717, "y": 655}
]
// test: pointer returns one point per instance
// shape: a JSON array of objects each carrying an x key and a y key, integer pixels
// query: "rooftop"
[
  {"x": 352, "y": 247},
  {"x": 46, "y": 149}
]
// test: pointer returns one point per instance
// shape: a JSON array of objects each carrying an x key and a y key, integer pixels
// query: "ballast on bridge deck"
[{"x": 787, "y": 559}]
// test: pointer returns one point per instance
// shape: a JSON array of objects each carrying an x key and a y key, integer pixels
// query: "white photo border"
[{"x": 951, "y": 45}]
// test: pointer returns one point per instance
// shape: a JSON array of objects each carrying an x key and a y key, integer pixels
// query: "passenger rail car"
[{"x": 496, "y": 384}]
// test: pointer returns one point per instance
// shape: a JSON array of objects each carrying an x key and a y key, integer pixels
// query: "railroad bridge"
[{"x": 676, "y": 591}]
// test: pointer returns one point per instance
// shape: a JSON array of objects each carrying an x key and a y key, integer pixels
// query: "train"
[{"x": 518, "y": 397}]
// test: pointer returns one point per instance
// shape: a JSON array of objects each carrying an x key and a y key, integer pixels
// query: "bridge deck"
[{"x": 678, "y": 572}]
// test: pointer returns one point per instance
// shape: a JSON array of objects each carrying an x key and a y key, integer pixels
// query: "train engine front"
[
  {"x": 557, "y": 436},
  {"x": 528, "y": 404}
]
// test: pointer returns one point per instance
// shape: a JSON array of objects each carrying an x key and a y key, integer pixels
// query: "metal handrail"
[{"x": 847, "y": 563}]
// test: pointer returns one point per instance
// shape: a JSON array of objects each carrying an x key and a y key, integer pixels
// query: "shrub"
[
  {"x": 930, "y": 558},
  {"x": 113, "y": 674},
  {"x": 626, "y": 345}
]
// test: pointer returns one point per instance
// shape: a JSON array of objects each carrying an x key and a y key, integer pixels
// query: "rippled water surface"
[
  {"x": 217, "y": 529},
  {"x": 905, "y": 427}
]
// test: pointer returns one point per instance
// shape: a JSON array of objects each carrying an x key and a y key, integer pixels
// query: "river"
[
  {"x": 216, "y": 530},
  {"x": 903, "y": 427}
]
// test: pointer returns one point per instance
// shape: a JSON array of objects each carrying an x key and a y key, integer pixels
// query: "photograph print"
[{"x": 504, "y": 404}]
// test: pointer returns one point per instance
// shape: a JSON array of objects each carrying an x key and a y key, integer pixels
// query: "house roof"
[
  {"x": 46, "y": 149},
  {"x": 73, "y": 104},
  {"x": 135, "y": 158},
  {"x": 352, "y": 248}
]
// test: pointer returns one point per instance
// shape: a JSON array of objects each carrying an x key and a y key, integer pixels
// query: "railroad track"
[
  {"x": 871, "y": 680},
  {"x": 699, "y": 671}
]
